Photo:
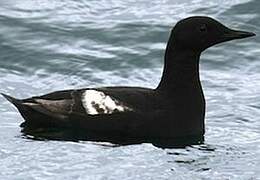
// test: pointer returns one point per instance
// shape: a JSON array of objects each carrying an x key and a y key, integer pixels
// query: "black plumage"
[{"x": 171, "y": 113}]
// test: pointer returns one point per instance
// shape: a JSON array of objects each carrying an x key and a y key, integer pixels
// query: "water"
[{"x": 53, "y": 45}]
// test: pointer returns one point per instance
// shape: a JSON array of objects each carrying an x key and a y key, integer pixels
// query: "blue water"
[{"x": 48, "y": 45}]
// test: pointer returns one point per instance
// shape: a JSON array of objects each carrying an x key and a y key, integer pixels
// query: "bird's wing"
[
  {"x": 103, "y": 108},
  {"x": 89, "y": 102},
  {"x": 59, "y": 104}
]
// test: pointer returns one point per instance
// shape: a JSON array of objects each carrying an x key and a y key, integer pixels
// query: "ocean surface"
[{"x": 48, "y": 45}]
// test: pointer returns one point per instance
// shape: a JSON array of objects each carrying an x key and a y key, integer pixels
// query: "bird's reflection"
[{"x": 77, "y": 135}]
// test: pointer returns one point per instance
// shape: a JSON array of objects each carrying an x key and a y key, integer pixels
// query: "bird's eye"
[{"x": 203, "y": 28}]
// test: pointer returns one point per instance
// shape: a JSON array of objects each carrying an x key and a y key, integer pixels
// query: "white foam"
[{"x": 96, "y": 102}]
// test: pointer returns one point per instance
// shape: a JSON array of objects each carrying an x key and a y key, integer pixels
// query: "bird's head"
[{"x": 198, "y": 33}]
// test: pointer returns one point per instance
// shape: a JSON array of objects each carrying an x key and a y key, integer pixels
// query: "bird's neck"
[
  {"x": 181, "y": 70},
  {"x": 181, "y": 84}
]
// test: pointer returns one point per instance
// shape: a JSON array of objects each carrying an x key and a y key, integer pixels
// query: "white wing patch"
[{"x": 96, "y": 102}]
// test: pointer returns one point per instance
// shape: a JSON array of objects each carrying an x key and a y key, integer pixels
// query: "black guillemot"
[{"x": 173, "y": 111}]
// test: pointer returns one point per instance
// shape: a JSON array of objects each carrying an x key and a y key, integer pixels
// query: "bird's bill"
[{"x": 235, "y": 34}]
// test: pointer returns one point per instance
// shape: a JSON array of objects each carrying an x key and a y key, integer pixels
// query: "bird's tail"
[
  {"x": 12, "y": 100},
  {"x": 34, "y": 111}
]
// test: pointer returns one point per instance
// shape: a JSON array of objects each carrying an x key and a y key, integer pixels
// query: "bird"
[{"x": 171, "y": 113}]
